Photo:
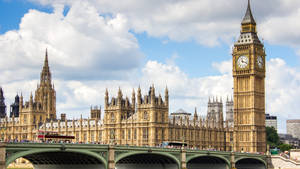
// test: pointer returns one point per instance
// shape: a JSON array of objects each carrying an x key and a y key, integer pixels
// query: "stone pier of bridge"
[{"x": 2, "y": 156}]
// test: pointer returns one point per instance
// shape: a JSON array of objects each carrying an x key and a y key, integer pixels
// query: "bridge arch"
[
  {"x": 153, "y": 154},
  {"x": 250, "y": 162},
  {"x": 206, "y": 157},
  {"x": 20, "y": 154}
]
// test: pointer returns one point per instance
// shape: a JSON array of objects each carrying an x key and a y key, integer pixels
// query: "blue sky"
[{"x": 185, "y": 45}]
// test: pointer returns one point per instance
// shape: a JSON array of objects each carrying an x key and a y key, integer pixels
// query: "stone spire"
[
  {"x": 139, "y": 96},
  {"x": 120, "y": 95},
  {"x": 1, "y": 95},
  {"x": 45, "y": 74},
  {"x": 248, "y": 18},
  {"x": 106, "y": 98},
  {"x": 133, "y": 98},
  {"x": 167, "y": 96},
  {"x": 195, "y": 113},
  {"x": 31, "y": 101},
  {"x": 2, "y": 104}
]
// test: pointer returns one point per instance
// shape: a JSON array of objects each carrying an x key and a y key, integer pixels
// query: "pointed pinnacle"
[
  {"x": 46, "y": 58},
  {"x": 248, "y": 18}
]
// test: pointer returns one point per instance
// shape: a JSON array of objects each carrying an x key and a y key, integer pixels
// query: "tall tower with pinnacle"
[
  {"x": 248, "y": 59},
  {"x": 45, "y": 93},
  {"x": 2, "y": 104}
]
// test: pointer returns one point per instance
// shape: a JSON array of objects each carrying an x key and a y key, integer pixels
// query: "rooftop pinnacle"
[
  {"x": 248, "y": 18},
  {"x": 45, "y": 74}
]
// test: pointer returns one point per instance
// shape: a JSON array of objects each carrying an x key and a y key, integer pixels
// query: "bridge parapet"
[{"x": 110, "y": 155}]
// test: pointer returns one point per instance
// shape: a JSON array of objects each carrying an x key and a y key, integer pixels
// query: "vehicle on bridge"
[
  {"x": 50, "y": 136},
  {"x": 167, "y": 144}
]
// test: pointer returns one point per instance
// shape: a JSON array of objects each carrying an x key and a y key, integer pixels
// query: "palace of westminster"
[{"x": 144, "y": 120}]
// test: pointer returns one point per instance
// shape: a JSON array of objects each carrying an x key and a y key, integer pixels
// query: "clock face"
[
  {"x": 260, "y": 61},
  {"x": 242, "y": 62}
]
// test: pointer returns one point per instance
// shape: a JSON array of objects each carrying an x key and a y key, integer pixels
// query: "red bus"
[{"x": 51, "y": 136}]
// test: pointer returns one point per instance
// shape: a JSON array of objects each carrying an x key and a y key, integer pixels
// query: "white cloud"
[
  {"x": 283, "y": 91},
  {"x": 283, "y": 30},
  {"x": 186, "y": 92},
  {"x": 92, "y": 46},
  {"x": 207, "y": 22},
  {"x": 224, "y": 67}
]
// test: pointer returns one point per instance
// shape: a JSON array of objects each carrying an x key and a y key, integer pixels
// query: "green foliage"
[
  {"x": 284, "y": 147},
  {"x": 272, "y": 137},
  {"x": 274, "y": 141}
]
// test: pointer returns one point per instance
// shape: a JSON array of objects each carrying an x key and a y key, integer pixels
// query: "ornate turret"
[
  {"x": 133, "y": 99},
  {"x": 14, "y": 108},
  {"x": 152, "y": 94},
  {"x": 139, "y": 96},
  {"x": 229, "y": 112},
  {"x": 106, "y": 98},
  {"x": 21, "y": 103},
  {"x": 195, "y": 116},
  {"x": 45, "y": 93},
  {"x": 31, "y": 101},
  {"x": 45, "y": 74},
  {"x": 120, "y": 96},
  {"x": 2, "y": 104},
  {"x": 167, "y": 96}
]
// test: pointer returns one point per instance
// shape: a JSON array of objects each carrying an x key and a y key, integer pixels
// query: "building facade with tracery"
[{"x": 144, "y": 119}]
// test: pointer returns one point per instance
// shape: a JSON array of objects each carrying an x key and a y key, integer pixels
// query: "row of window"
[
  {"x": 145, "y": 116},
  {"x": 34, "y": 118}
]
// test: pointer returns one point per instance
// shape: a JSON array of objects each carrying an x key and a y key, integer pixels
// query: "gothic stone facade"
[
  {"x": 141, "y": 120},
  {"x": 145, "y": 120}
]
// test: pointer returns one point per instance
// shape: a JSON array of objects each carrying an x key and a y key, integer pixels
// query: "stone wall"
[{"x": 282, "y": 163}]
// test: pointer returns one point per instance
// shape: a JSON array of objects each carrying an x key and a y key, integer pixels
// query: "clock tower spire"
[{"x": 248, "y": 60}]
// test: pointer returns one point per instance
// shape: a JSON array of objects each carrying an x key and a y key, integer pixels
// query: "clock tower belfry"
[{"x": 248, "y": 60}]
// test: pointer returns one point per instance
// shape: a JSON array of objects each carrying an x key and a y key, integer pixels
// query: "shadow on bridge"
[
  {"x": 147, "y": 161},
  {"x": 63, "y": 160},
  {"x": 208, "y": 162},
  {"x": 250, "y": 163}
]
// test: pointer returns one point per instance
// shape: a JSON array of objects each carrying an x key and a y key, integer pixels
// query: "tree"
[
  {"x": 284, "y": 147},
  {"x": 272, "y": 137}
]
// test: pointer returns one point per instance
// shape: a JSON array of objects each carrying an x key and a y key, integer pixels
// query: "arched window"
[
  {"x": 123, "y": 134},
  {"x": 34, "y": 119},
  {"x": 135, "y": 133},
  {"x": 112, "y": 117},
  {"x": 145, "y": 133},
  {"x": 100, "y": 135},
  {"x": 129, "y": 134},
  {"x": 92, "y": 136},
  {"x": 156, "y": 116},
  {"x": 145, "y": 115},
  {"x": 112, "y": 134}
]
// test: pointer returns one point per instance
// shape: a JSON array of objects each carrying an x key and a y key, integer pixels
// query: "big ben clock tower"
[{"x": 248, "y": 60}]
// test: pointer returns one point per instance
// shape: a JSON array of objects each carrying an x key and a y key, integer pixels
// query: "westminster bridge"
[{"x": 94, "y": 156}]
